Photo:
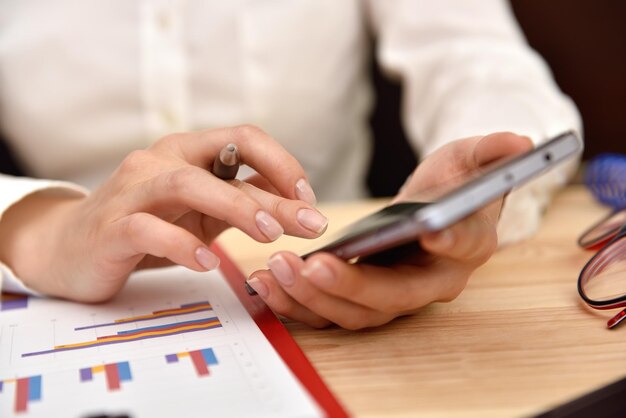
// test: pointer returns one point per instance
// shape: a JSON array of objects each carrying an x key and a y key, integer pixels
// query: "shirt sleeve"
[
  {"x": 15, "y": 189},
  {"x": 467, "y": 70}
]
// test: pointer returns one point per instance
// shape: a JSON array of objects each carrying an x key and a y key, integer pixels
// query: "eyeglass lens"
[{"x": 604, "y": 278}]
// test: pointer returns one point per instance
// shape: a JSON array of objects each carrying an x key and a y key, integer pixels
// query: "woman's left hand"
[{"x": 325, "y": 289}]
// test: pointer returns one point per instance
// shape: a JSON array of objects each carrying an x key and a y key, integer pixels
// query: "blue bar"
[
  {"x": 34, "y": 388},
  {"x": 123, "y": 370},
  {"x": 1, "y": 384},
  {"x": 209, "y": 356},
  {"x": 157, "y": 327}
]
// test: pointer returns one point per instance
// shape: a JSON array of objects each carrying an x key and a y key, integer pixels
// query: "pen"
[
  {"x": 226, "y": 164},
  {"x": 225, "y": 167}
]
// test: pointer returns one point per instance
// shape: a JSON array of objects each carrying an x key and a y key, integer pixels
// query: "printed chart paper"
[{"x": 172, "y": 343}]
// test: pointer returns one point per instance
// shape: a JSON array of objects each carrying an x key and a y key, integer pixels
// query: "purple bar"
[
  {"x": 189, "y": 305},
  {"x": 10, "y": 301},
  {"x": 85, "y": 374},
  {"x": 150, "y": 318},
  {"x": 57, "y": 350},
  {"x": 1, "y": 384},
  {"x": 171, "y": 358}
]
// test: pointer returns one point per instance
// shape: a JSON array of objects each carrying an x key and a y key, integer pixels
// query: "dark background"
[{"x": 583, "y": 41}]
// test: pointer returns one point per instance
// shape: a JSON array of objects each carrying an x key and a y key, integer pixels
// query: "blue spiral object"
[{"x": 605, "y": 176}]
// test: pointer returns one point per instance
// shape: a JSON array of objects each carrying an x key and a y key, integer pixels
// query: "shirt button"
[
  {"x": 164, "y": 20},
  {"x": 170, "y": 120}
]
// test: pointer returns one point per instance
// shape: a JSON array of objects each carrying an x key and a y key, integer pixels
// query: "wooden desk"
[{"x": 516, "y": 341}]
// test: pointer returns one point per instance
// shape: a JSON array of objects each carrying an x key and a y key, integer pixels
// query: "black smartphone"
[{"x": 391, "y": 232}]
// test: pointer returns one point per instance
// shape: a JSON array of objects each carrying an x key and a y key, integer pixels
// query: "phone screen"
[{"x": 364, "y": 236}]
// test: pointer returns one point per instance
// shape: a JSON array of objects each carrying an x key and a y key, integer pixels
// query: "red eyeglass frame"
[{"x": 607, "y": 244}]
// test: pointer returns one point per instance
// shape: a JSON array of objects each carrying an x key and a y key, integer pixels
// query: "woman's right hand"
[{"x": 160, "y": 207}]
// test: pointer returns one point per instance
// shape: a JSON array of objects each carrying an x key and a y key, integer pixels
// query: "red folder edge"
[{"x": 279, "y": 337}]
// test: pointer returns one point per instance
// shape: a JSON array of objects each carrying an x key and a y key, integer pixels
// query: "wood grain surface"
[{"x": 516, "y": 342}]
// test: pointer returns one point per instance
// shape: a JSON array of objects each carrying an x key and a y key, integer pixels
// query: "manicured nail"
[
  {"x": 206, "y": 258},
  {"x": 281, "y": 270},
  {"x": 259, "y": 287},
  {"x": 318, "y": 273},
  {"x": 268, "y": 225},
  {"x": 305, "y": 192},
  {"x": 312, "y": 220}
]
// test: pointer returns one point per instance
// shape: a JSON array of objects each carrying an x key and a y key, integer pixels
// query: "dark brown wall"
[{"x": 584, "y": 42}]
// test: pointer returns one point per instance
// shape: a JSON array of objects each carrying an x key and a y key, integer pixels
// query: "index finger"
[{"x": 256, "y": 149}]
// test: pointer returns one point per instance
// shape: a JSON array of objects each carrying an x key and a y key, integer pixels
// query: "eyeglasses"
[{"x": 602, "y": 282}]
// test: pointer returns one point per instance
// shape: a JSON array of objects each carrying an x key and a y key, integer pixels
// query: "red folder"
[{"x": 280, "y": 338}]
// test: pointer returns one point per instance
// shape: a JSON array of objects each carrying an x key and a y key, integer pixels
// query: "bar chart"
[
  {"x": 11, "y": 301},
  {"x": 27, "y": 389},
  {"x": 115, "y": 373},
  {"x": 142, "y": 333},
  {"x": 172, "y": 343},
  {"x": 200, "y": 359}
]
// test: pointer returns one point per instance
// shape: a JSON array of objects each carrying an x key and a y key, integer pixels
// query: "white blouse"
[{"x": 84, "y": 82}]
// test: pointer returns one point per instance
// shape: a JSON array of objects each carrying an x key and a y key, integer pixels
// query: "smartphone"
[{"x": 393, "y": 231}]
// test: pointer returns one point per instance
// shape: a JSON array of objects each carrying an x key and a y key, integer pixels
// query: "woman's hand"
[
  {"x": 161, "y": 206},
  {"x": 325, "y": 289}
]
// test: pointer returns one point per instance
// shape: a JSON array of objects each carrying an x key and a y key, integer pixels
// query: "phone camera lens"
[{"x": 548, "y": 157}]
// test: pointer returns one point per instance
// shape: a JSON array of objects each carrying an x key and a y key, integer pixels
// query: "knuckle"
[
  {"x": 480, "y": 254},
  {"x": 134, "y": 161},
  {"x": 238, "y": 184},
  {"x": 135, "y": 223},
  {"x": 167, "y": 142},
  {"x": 455, "y": 284},
  {"x": 307, "y": 298},
  {"x": 353, "y": 323},
  {"x": 280, "y": 207},
  {"x": 239, "y": 201},
  {"x": 172, "y": 143},
  {"x": 169, "y": 139},
  {"x": 178, "y": 181},
  {"x": 133, "y": 227},
  {"x": 247, "y": 131},
  {"x": 282, "y": 306},
  {"x": 404, "y": 300}
]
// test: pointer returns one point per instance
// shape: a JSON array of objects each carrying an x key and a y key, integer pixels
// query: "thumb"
[{"x": 495, "y": 146}]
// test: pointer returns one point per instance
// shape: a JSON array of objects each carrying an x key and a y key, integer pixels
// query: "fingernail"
[
  {"x": 305, "y": 192},
  {"x": 312, "y": 220},
  {"x": 259, "y": 287},
  {"x": 318, "y": 273},
  {"x": 268, "y": 225},
  {"x": 206, "y": 258},
  {"x": 281, "y": 270}
]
